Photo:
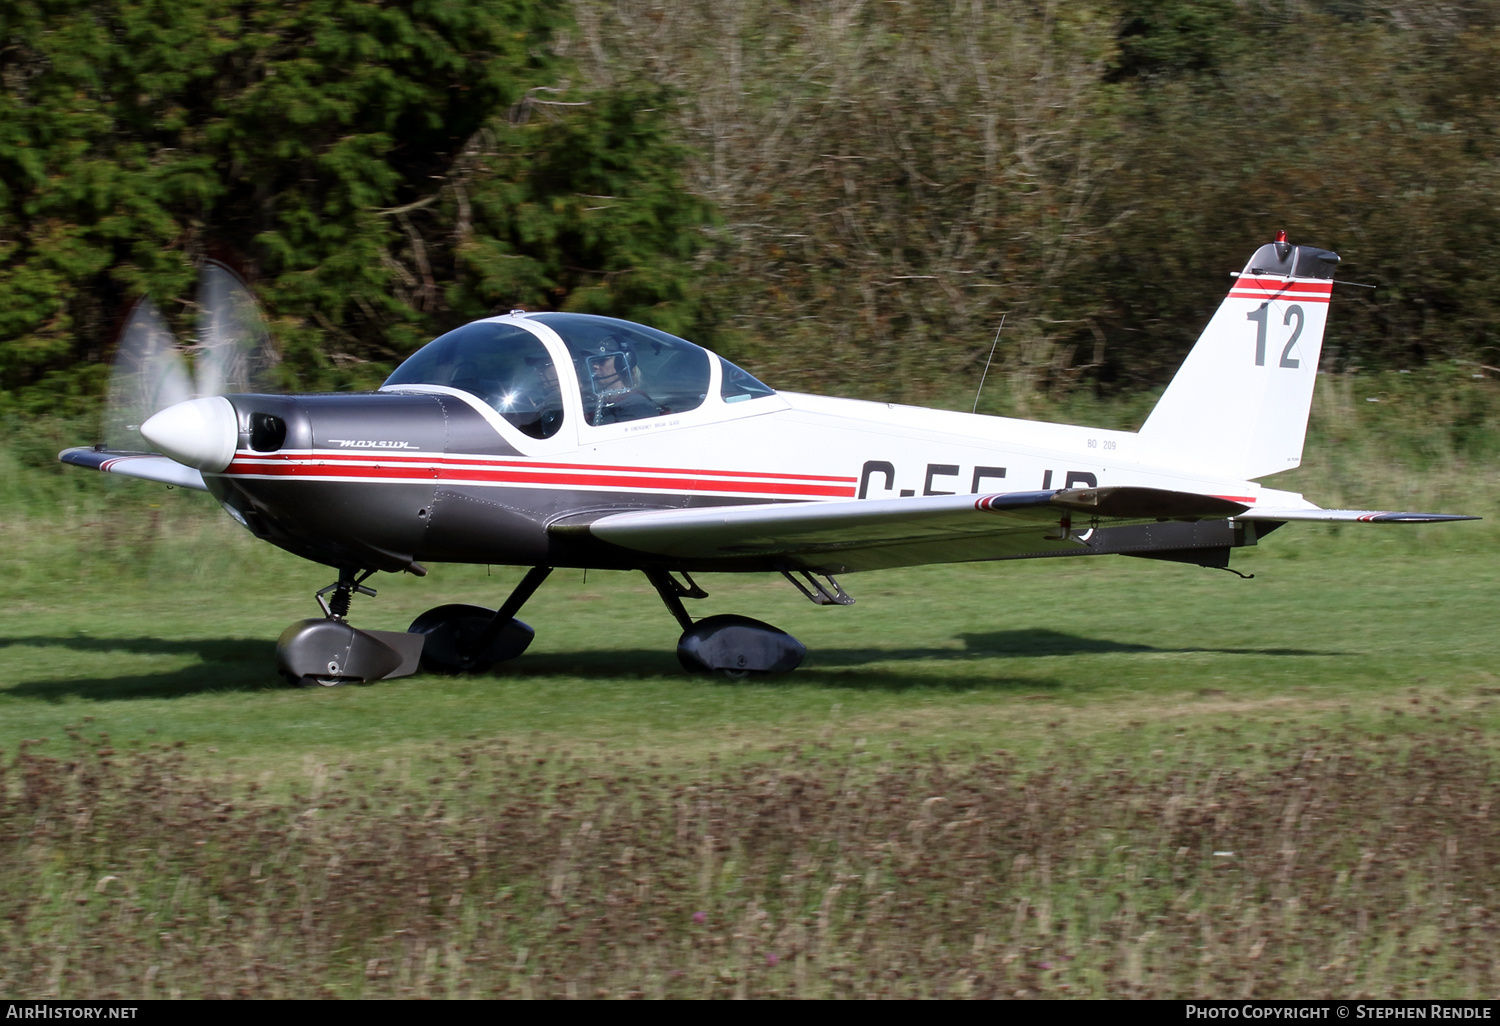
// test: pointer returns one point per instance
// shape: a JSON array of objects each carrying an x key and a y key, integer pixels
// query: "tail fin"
[{"x": 1239, "y": 405}]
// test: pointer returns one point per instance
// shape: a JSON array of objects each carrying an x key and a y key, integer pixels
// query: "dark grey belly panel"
[{"x": 340, "y": 523}]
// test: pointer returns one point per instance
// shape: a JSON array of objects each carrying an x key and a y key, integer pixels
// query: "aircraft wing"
[
  {"x": 145, "y": 465},
  {"x": 876, "y": 534}
]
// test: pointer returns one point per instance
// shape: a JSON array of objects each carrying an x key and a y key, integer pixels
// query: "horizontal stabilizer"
[
  {"x": 144, "y": 465},
  {"x": 1361, "y": 516}
]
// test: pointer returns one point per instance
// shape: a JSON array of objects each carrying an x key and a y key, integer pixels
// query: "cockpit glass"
[
  {"x": 629, "y": 371},
  {"x": 503, "y": 364},
  {"x": 739, "y": 385}
]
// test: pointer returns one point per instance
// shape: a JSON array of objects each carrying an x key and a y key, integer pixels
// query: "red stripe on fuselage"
[
  {"x": 377, "y": 467},
  {"x": 374, "y": 455}
]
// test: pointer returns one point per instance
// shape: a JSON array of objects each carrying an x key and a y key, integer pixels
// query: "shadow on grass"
[
  {"x": 880, "y": 668},
  {"x": 225, "y": 664},
  {"x": 833, "y": 668},
  {"x": 247, "y": 665},
  {"x": 1033, "y": 643}
]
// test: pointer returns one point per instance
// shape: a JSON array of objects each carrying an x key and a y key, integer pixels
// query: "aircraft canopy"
[
  {"x": 628, "y": 371},
  {"x": 624, "y": 371},
  {"x": 501, "y": 363}
]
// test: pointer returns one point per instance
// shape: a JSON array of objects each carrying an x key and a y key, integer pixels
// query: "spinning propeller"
[{"x": 165, "y": 396}]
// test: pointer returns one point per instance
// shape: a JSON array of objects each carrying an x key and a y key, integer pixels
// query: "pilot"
[
  {"x": 617, "y": 397},
  {"x": 611, "y": 374}
]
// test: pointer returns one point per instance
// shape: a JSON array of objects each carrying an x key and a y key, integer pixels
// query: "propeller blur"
[{"x": 568, "y": 440}]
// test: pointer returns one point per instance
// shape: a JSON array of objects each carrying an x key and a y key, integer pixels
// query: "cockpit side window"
[
  {"x": 503, "y": 364},
  {"x": 739, "y": 385},
  {"x": 629, "y": 371}
]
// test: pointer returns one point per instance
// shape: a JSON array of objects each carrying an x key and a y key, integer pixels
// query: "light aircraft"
[{"x": 550, "y": 440}]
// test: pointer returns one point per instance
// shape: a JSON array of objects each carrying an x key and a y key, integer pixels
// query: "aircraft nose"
[{"x": 201, "y": 433}]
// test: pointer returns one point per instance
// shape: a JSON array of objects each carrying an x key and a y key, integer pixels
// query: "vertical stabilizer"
[{"x": 1238, "y": 407}]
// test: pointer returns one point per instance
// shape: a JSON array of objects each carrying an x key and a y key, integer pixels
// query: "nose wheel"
[{"x": 329, "y": 651}]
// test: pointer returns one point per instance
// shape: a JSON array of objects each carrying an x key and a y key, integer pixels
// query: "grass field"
[
  {"x": 1334, "y": 628},
  {"x": 1054, "y": 777}
]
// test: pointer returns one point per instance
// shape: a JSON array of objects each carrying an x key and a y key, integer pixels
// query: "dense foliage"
[
  {"x": 370, "y": 167},
  {"x": 846, "y": 195},
  {"x": 896, "y": 177}
]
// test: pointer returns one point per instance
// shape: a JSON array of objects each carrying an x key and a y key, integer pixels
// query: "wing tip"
[{"x": 146, "y": 466}]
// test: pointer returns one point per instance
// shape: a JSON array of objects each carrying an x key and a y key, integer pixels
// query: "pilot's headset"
[{"x": 602, "y": 365}]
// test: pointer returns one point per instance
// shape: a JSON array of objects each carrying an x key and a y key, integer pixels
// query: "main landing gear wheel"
[
  {"x": 736, "y": 646},
  {"x": 470, "y": 639},
  {"x": 454, "y": 639}
]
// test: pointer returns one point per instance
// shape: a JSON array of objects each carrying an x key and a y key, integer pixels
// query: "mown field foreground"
[{"x": 1340, "y": 864}]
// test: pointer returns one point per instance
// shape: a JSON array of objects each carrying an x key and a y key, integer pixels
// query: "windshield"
[
  {"x": 629, "y": 371},
  {"x": 503, "y": 364},
  {"x": 737, "y": 385}
]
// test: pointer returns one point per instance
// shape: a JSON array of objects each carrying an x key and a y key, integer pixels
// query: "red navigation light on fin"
[{"x": 1282, "y": 246}]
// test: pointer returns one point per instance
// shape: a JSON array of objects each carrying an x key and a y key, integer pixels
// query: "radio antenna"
[{"x": 987, "y": 364}]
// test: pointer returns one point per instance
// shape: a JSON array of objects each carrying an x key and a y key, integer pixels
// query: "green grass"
[
  {"x": 147, "y": 610},
  {"x": 1336, "y": 627}
]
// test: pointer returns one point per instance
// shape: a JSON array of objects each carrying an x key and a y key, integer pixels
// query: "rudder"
[{"x": 1238, "y": 406}]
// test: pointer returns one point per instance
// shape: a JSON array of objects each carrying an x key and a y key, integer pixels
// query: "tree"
[{"x": 335, "y": 150}]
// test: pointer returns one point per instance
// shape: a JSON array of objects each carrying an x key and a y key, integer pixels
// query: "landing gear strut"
[
  {"x": 459, "y": 638},
  {"x": 736, "y": 646},
  {"x": 329, "y": 651}
]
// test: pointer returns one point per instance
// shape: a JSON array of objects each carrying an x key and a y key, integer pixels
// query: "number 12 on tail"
[{"x": 1260, "y": 316}]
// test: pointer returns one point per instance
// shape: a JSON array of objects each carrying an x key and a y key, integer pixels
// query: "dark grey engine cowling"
[
  {"x": 332, "y": 652},
  {"x": 331, "y": 517},
  {"x": 347, "y": 480},
  {"x": 734, "y": 644}
]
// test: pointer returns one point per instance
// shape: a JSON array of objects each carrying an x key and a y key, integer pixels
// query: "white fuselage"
[{"x": 792, "y": 446}]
